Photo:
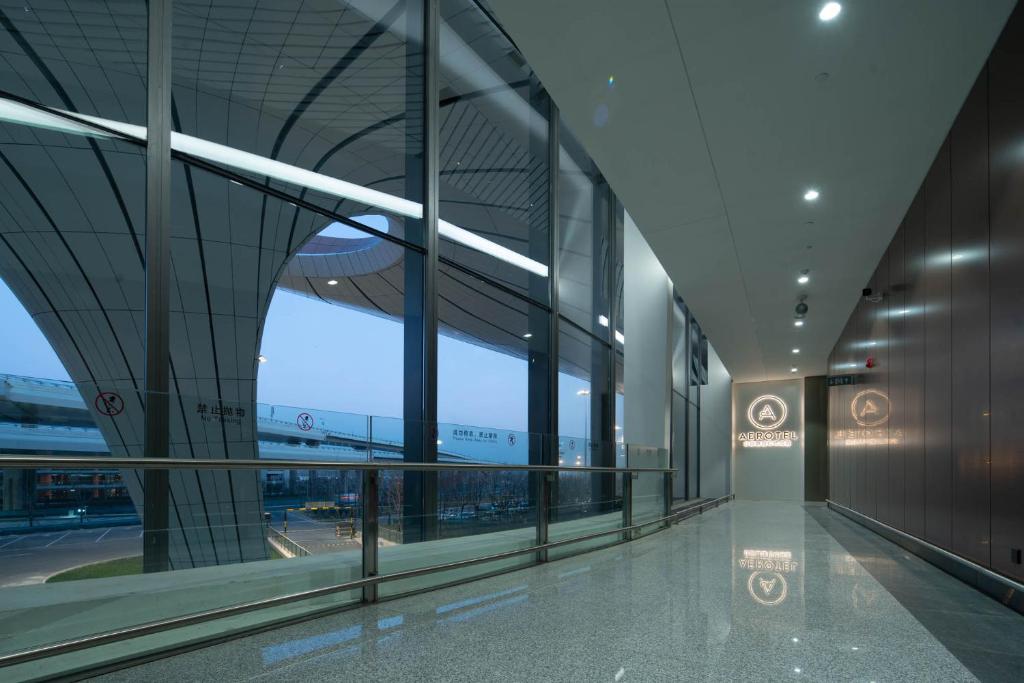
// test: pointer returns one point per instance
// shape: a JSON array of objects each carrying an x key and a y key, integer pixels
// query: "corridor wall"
[{"x": 926, "y": 436}]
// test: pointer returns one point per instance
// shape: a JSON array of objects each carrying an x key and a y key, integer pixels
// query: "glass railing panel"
[
  {"x": 585, "y": 503},
  {"x": 437, "y": 518},
  {"x": 648, "y": 489},
  {"x": 308, "y": 433},
  {"x": 77, "y": 574},
  {"x": 71, "y": 538}
]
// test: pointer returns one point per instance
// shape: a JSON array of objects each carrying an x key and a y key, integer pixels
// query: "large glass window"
[
  {"x": 580, "y": 355},
  {"x": 317, "y": 98},
  {"x": 486, "y": 344},
  {"x": 298, "y": 258},
  {"x": 493, "y": 154},
  {"x": 83, "y": 57},
  {"x": 584, "y": 244}
]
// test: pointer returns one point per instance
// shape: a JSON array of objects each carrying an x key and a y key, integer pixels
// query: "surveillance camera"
[
  {"x": 870, "y": 296},
  {"x": 866, "y": 292},
  {"x": 801, "y": 309}
]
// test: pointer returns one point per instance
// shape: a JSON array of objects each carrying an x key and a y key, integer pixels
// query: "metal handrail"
[
  {"x": 76, "y": 462},
  {"x": 221, "y": 612},
  {"x": 371, "y": 579},
  {"x": 291, "y": 545}
]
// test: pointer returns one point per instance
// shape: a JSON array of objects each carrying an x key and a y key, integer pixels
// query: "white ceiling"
[{"x": 720, "y": 118}]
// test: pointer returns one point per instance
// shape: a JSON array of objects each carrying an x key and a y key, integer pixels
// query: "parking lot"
[{"x": 30, "y": 558}]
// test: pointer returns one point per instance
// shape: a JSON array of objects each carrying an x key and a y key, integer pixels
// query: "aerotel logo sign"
[{"x": 766, "y": 414}]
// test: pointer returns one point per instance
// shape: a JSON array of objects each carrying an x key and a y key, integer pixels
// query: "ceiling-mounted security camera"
[
  {"x": 801, "y": 308},
  {"x": 870, "y": 296}
]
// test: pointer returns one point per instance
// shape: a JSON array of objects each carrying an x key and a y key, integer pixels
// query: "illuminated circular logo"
[
  {"x": 767, "y": 412},
  {"x": 870, "y": 408},
  {"x": 767, "y": 588}
]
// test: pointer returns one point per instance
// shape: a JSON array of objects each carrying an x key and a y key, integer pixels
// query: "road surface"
[{"x": 30, "y": 558}]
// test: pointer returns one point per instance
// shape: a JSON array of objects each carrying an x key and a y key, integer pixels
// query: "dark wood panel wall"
[{"x": 930, "y": 440}]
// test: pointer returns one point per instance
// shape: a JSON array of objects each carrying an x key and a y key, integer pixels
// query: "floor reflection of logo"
[
  {"x": 767, "y": 588},
  {"x": 870, "y": 408},
  {"x": 767, "y": 412}
]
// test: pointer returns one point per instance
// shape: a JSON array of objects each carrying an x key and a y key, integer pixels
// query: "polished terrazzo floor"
[{"x": 749, "y": 591}]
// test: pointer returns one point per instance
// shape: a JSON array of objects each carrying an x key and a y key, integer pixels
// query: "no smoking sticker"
[{"x": 108, "y": 403}]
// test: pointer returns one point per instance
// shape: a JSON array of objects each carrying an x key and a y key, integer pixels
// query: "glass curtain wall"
[
  {"x": 303, "y": 229},
  {"x": 689, "y": 373},
  {"x": 339, "y": 243}
]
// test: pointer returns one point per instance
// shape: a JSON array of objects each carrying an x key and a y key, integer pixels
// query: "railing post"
[
  {"x": 370, "y": 531},
  {"x": 669, "y": 476},
  {"x": 627, "y": 504},
  {"x": 543, "y": 512}
]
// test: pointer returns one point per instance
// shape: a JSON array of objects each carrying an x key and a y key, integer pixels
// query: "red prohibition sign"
[
  {"x": 304, "y": 421},
  {"x": 108, "y": 403}
]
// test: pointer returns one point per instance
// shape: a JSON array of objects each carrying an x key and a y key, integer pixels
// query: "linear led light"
[
  {"x": 254, "y": 163},
  {"x": 602, "y": 320}
]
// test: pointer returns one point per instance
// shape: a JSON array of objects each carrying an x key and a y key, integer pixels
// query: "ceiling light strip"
[{"x": 254, "y": 163}]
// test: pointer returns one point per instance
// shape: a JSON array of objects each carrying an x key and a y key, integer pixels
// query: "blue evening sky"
[{"x": 326, "y": 357}]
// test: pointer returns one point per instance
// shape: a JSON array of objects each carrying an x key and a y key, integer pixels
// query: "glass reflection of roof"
[{"x": 341, "y": 238}]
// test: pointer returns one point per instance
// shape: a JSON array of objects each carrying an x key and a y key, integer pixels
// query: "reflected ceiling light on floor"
[
  {"x": 957, "y": 257},
  {"x": 332, "y": 282},
  {"x": 798, "y": 323},
  {"x": 257, "y": 165},
  {"x": 528, "y": 335},
  {"x": 830, "y": 11},
  {"x": 602, "y": 320},
  {"x": 811, "y": 195},
  {"x": 619, "y": 337}
]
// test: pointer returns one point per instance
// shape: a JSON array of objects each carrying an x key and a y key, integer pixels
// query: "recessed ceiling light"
[
  {"x": 798, "y": 323},
  {"x": 811, "y": 195},
  {"x": 804, "y": 279},
  {"x": 332, "y": 282},
  {"x": 793, "y": 369},
  {"x": 796, "y": 350},
  {"x": 527, "y": 335},
  {"x": 830, "y": 11}
]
